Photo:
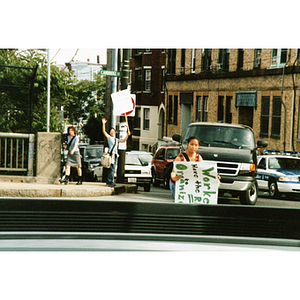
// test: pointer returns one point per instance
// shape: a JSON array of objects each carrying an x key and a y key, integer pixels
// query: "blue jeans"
[
  {"x": 111, "y": 173},
  {"x": 172, "y": 188}
]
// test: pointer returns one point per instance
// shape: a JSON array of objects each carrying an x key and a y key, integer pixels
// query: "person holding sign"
[
  {"x": 190, "y": 154},
  {"x": 113, "y": 146}
]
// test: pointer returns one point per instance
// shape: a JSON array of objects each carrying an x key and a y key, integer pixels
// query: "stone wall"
[{"x": 48, "y": 157}]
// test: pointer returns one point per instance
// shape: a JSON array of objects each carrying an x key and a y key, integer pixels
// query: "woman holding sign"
[
  {"x": 113, "y": 147},
  {"x": 190, "y": 154}
]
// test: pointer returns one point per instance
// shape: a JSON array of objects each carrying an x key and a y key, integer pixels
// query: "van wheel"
[
  {"x": 249, "y": 197},
  {"x": 147, "y": 187},
  {"x": 273, "y": 190}
]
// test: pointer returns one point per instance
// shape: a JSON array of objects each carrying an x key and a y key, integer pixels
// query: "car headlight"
[
  {"x": 289, "y": 178},
  {"x": 247, "y": 167}
]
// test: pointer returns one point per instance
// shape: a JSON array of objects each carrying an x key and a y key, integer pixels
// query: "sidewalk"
[{"x": 43, "y": 190}]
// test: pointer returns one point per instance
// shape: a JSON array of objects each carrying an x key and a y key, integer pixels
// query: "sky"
[{"x": 63, "y": 55}]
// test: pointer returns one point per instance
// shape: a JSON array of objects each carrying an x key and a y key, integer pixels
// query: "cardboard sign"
[
  {"x": 122, "y": 102},
  {"x": 198, "y": 183}
]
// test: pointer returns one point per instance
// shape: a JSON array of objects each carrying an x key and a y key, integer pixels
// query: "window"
[
  {"x": 205, "y": 109},
  {"x": 276, "y": 117},
  {"x": 198, "y": 111},
  {"x": 228, "y": 113},
  {"x": 240, "y": 62},
  {"x": 138, "y": 79},
  {"x": 278, "y": 58},
  {"x": 146, "y": 119},
  {"x": 137, "y": 118},
  {"x": 163, "y": 79},
  {"x": 182, "y": 61},
  {"x": 220, "y": 109},
  {"x": 206, "y": 60},
  {"x": 193, "y": 61},
  {"x": 175, "y": 119},
  {"x": 264, "y": 122},
  {"x": 257, "y": 58},
  {"x": 171, "y": 61},
  {"x": 201, "y": 113},
  {"x": 223, "y": 60},
  {"x": 170, "y": 109},
  {"x": 147, "y": 80}
]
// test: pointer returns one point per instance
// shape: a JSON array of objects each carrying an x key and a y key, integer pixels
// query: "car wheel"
[
  {"x": 166, "y": 183},
  {"x": 147, "y": 187},
  {"x": 273, "y": 190},
  {"x": 154, "y": 180},
  {"x": 249, "y": 197}
]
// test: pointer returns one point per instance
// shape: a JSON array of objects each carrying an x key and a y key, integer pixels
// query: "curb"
[{"x": 36, "y": 190}]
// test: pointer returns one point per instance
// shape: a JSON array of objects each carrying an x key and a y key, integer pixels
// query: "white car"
[
  {"x": 279, "y": 174},
  {"x": 137, "y": 171}
]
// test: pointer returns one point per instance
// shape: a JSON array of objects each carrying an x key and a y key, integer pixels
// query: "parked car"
[
  {"x": 144, "y": 156},
  {"x": 91, "y": 162},
  {"x": 137, "y": 171},
  {"x": 279, "y": 174},
  {"x": 163, "y": 157}
]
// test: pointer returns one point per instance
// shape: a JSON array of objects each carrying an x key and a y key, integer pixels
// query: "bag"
[{"x": 106, "y": 158}]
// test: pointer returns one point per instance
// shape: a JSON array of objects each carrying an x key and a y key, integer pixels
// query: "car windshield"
[
  {"x": 93, "y": 153},
  {"x": 145, "y": 157},
  {"x": 132, "y": 159},
  {"x": 284, "y": 163},
  {"x": 221, "y": 136},
  {"x": 172, "y": 153}
]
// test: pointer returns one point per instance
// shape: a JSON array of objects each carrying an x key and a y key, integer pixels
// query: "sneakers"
[
  {"x": 65, "y": 180},
  {"x": 110, "y": 184}
]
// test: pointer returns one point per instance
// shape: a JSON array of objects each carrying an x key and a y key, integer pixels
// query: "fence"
[{"x": 17, "y": 152}]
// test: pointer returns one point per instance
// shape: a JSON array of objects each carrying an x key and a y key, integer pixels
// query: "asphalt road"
[{"x": 159, "y": 194}]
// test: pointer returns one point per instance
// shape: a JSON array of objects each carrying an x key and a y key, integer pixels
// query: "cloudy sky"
[{"x": 63, "y": 55}]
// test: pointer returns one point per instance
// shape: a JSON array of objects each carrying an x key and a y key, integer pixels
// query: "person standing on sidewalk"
[
  {"x": 73, "y": 157},
  {"x": 113, "y": 146}
]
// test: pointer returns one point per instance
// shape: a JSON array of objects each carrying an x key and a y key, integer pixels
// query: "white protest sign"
[
  {"x": 198, "y": 182},
  {"x": 122, "y": 102},
  {"x": 131, "y": 113}
]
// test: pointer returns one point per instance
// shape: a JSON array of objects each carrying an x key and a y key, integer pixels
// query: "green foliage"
[{"x": 79, "y": 99}]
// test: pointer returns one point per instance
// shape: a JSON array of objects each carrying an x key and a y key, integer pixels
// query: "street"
[{"x": 159, "y": 194}]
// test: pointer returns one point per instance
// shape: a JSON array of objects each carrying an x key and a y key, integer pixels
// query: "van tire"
[{"x": 250, "y": 196}]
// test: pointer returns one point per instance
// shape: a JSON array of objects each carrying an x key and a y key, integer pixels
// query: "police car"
[{"x": 279, "y": 173}]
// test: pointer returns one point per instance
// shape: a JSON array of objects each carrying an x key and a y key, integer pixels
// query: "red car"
[{"x": 162, "y": 157}]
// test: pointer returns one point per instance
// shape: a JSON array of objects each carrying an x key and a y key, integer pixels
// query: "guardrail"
[{"x": 17, "y": 152}]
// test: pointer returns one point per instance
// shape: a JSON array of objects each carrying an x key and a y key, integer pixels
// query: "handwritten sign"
[
  {"x": 122, "y": 102},
  {"x": 198, "y": 182}
]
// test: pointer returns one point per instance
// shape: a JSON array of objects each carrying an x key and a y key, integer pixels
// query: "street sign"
[{"x": 110, "y": 73}]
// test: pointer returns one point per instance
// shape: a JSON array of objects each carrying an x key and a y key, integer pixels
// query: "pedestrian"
[
  {"x": 73, "y": 157},
  {"x": 113, "y": 147},
  {"x": 190, "y": 154}
]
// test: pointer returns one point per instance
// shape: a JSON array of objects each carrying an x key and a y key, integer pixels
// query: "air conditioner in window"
[
  {"x": 219, "y": 66},
  {"x": 257, "y": 61}
]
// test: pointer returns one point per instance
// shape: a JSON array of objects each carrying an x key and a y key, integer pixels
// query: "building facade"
[
  {"x": 147, "y": 71},
  {"x": 254, "y": 87}
]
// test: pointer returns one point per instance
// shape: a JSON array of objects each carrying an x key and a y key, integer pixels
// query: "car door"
[
  {"x": 262, "y": 176},
  {"x": 160, "y": 163}
]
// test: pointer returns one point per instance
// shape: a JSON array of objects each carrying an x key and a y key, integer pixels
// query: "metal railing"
[{"x": 17, "y": 152}]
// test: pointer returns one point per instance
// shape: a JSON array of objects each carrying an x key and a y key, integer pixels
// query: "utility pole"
[{"x": 124, "y": 84}]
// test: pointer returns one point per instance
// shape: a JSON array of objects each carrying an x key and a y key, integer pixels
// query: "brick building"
[
  {"x": 242, "y": 86},
  {"x": 147, "y": 68}
]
